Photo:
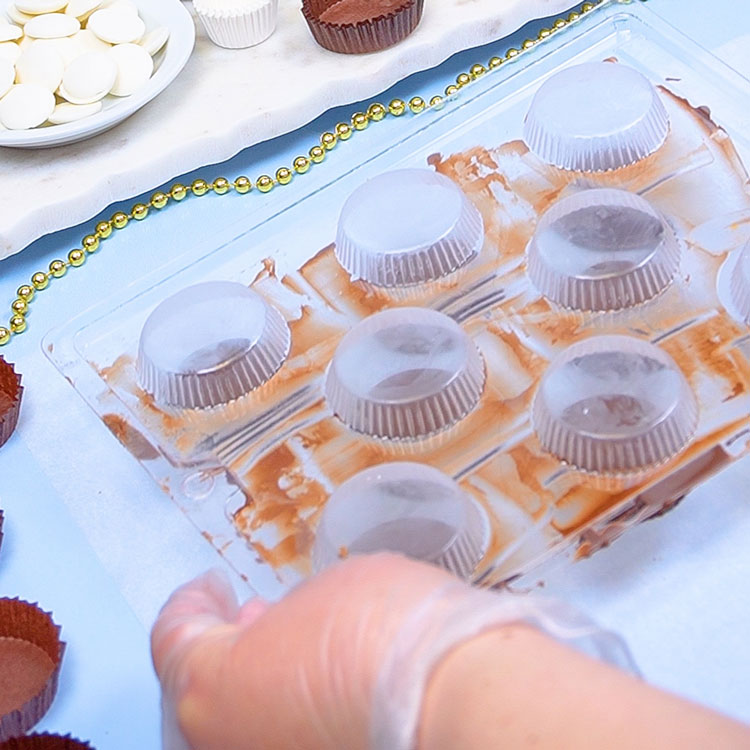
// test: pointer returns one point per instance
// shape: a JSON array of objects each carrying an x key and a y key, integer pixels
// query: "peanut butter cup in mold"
[
  {"x": 596, "y": 117},
  {"x": 403, "y": 507},
  {"x": 614, "y": 405},
  {"x": 210, "y": 344},
  {"x": 602, "y": 250},
  {"x": 407, "y": 227},
  {"x": 740, "y": 284},
  {"x": 403, "y": 374}
]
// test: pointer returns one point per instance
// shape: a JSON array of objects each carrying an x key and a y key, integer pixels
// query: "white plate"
[{"x": 168, "y": 63}]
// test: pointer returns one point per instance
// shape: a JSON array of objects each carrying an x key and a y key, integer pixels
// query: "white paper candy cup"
[
  {"x": 406, "y": 507},
  {"x": 595, "y": 117}
]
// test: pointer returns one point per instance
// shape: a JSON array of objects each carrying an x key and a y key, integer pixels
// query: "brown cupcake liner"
[
  {"x": 44, "y": 742},
  {"x": 10, "y": 387},
  {"x": 27, "y": 624},
  {"x": 369, "y": 35}
]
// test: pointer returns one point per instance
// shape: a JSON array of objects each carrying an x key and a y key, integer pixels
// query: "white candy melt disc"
[
  {"x": 63, "y": 46},
  {"x": 37, "y": 7},
  {"x": 10, "y": 32},
  {"x": 9, "y": 51},
  {"x": 81, "y": 8},
  {"x": 42, "y": 65},
  {"x": 88, "y": 78},
  {"x": 7, "y": 76},
  {"x": 155, "y": 40},
  {"x": 134, "y": 68},
  {"x": 26, "y": 106},
  {"x": 16, "y": 16},
  {"x": 66, "y": 112},
  {"x": 116, "y": 26},
  {"x": 51, "y": 26},
  {"x": 86, "y": 41}
]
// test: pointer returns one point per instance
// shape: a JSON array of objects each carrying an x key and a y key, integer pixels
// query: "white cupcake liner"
[{"x": 238, "y": 26}]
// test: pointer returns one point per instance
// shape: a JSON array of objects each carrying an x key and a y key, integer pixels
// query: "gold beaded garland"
[
  {"x": 397, "y": 107},
  {"x": 243, "y": 185},
  {"x": 76, "y": 258},
  {"x": 417, "y": 104},
  {"x": 90, "y": 243},
  {"x": 199, "y": 187},
  {"x": 360, "y": 121},
  {"x": 301, "y": 164},
  {"x": 58, "y": 268},
  {"x": 25, "y": 292},
  {"x": 104, "y": 230},
  {"x": 221, "y": 185},
  {"x": 284, "y": 175},
  {"x": 120, "y": 220},
  {"x": 344, "y": 131},
  {"x": 317, "y": 154},
  {"x": 19, "y": 307},
  {"x": 18, "y": 324},
  {"x": 140, "y": 211},
  {"x": 375, "y": 112},
  {"x": 159, "y": 200},
  {"x": 178, "y": 192}
]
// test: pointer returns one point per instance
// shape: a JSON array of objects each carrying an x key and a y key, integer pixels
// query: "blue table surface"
[{"x": 676, "y": 588}]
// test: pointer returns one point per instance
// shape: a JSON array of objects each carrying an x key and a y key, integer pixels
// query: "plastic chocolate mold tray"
[{"x": 524, "y": 339}]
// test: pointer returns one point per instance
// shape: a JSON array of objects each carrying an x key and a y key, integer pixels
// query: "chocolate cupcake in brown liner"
[
  {"x": 356, "y": 26},
  {"x": 44, "y": 742},
  {"x": 30, "y": 656},
  {"x": 10, "y": 399}
]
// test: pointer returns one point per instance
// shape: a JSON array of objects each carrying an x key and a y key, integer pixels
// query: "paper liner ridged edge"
[
  {"x": 26, "y": 621},
  {"x": 45, "y": 741},
  {"x": 369, "y": 35},
  {"x": 10, "y": 382}
]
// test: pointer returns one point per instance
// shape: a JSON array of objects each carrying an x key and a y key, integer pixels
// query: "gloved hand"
[{"x": 341, "y": 663}]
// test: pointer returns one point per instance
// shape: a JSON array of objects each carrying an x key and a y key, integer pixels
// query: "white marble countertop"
[{"x": 226, "y": 100}]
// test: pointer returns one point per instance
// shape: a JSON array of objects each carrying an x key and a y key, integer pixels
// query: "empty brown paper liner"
[
  {"x": 30, "y": 657},
  {"x": 10, "y": 400},
  {"x": 44, "y": 742},
  {"x": 369, "y": 34}
]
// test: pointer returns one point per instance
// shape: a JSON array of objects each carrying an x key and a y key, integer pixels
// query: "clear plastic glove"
[{"x": 342, "y": 662}]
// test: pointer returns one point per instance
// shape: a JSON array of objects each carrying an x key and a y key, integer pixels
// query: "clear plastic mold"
[{"x": 256, "y": 478}]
